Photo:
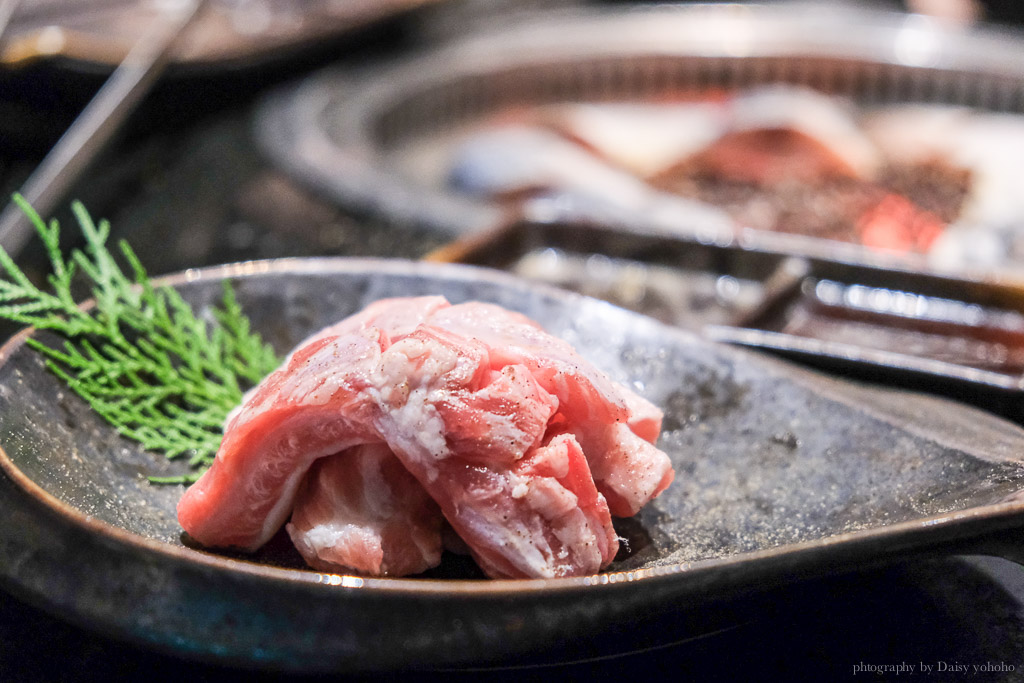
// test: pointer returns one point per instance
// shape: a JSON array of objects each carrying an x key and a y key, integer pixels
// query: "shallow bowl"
[{"x": 782, "y": 475}]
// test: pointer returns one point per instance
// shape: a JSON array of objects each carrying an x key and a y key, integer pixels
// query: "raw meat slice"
[
  {"x": 812, "y": 125},
  {"x": 399, "y": 316},
  {"x": 362, "y": 510},
  {"x": 473, "y": 426},
  {"x": 567, "y": 536},
  {"x": 517, "y": 161},
  {"x": 644, "y": 417},
  {"x": 615, "y": 427},
  {"x": 288, "y": 421},
  {"x": 644, "y": 138}
]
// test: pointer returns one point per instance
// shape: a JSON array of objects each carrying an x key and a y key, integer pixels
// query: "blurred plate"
[
  {"x": 101, "y": 32},
  {"x": 782, "y": 475},
  {"x": 377, "y": 140}
]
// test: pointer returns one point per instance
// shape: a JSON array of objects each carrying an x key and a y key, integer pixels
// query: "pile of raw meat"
[{"x": 385, "y": 432}]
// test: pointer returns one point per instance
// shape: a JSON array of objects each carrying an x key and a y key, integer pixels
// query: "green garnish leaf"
[{"x": 139, "y": 356}]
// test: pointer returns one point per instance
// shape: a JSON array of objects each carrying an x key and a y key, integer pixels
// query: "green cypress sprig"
[{"x": 139, "y": 356}]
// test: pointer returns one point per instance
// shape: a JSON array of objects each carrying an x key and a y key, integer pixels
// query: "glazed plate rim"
[{"x": 917, "y": 534}]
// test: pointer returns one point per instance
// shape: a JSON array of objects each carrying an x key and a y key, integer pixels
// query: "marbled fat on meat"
[
  {"x": 361, "y": 509},
  {"x": 412, "y": 409},
  {"x": 615, "y": 427}
]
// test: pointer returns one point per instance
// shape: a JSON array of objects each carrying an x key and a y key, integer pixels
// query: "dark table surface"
[{"x": 186, "y": 185}]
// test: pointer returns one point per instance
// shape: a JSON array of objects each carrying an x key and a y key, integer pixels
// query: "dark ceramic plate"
[
  {"x": 783, "y": 475},
  {"x": 229, "y": 34},
  {"x": 379, "y": 140}
]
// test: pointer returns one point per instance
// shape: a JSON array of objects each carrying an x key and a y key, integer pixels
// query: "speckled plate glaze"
[{"x": 783, "y": 475}]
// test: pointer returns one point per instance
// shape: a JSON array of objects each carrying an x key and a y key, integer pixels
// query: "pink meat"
[
  {"x": 316, "y": 405},
  {"x": 362, "y": 510},
  {"x": 492, "y": 422},
  {"x": 398, "y": 316},
  {"x": 616, "y": 427},
  {"x": 569, "y": 532}
]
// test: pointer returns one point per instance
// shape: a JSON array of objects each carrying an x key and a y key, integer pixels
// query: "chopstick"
[{"x": 98, "y": 121}]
